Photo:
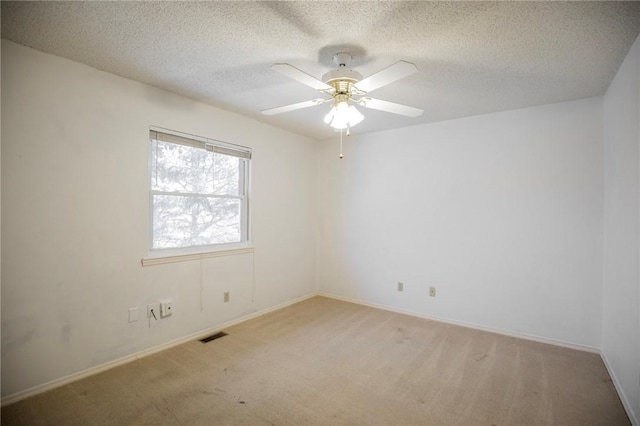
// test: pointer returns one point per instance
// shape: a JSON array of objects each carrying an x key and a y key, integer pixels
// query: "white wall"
[
  {"x": 621, "y": 301},
  {"x": 74, "y": 219},
  {"x": 502, "y": 213}
]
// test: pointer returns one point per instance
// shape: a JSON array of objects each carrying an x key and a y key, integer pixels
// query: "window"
[{"x": 198, "y": 193}]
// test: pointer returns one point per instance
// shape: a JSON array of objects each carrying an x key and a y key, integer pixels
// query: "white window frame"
[{"x": 244, "y": 153}]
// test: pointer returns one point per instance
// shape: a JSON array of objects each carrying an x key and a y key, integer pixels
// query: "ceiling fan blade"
[
  {"x": 293, "y": 107},
  {"x": 301, "y": 76},
  {"x": 391, "y": 107},
  {"x": 395, "y": 72}
]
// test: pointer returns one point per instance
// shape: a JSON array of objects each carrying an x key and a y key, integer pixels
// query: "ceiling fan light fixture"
[
  {"x": 343, "y": 116},
  {"x": 345, "y": 87}
]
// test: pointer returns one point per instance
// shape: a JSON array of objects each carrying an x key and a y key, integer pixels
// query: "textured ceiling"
[{"x": 473, "y": 57}]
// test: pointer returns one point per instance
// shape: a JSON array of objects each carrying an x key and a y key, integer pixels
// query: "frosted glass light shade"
[{"x": 343, "y": 116}]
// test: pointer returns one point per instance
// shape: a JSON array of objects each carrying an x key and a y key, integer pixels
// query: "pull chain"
[{"x": 341, "y": 156}]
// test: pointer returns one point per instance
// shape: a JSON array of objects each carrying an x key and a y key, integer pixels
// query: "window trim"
[
  {"x": 184, "y": 257},
  {"x": 156, "y": 256}
]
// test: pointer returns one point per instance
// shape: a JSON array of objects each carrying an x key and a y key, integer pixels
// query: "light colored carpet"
[{"x": 324, "y": 361}]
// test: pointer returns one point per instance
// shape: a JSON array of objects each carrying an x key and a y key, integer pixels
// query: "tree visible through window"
[{"x": 198, "y": 192}]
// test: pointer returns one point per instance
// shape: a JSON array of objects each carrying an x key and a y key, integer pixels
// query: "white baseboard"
[
  {"x": 468, "y": 324},
  {"x": 9, "y": 399},
  {"x": 623, "y": 397}
]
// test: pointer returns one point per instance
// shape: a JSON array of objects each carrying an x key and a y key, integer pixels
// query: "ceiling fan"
[{"x": 345, "y": 88}]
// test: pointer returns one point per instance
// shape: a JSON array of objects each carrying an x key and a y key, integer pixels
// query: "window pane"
[
  {"x": 180, "y": 168},
  {"x": 226, "y": 174},
  {"x": 183, "y": 221}
]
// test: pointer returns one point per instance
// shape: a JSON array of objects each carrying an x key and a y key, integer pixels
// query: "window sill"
[{"x": 150, "y": 261}]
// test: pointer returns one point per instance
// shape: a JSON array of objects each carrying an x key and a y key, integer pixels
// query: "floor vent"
[{"x": 213, "y": 337}]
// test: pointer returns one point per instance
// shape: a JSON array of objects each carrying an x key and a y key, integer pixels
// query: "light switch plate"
[{"x": 133, "y": 314}]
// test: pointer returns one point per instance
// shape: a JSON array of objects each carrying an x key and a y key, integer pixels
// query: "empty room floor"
[{"x": 324, "y": 361}]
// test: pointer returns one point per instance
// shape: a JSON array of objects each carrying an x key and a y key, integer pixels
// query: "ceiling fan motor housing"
[
  {"x": 342, "y": 80},
  {"x": 342, "y": 74}
]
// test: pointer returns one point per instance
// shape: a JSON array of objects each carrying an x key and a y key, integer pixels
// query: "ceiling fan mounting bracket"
[{"x": 342, "y": 59}]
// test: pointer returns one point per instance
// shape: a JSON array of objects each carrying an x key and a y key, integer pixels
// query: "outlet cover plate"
[{"x": 166, "y": 308}]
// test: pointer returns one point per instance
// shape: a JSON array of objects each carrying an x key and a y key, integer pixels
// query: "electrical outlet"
[
  {"x": 432, "y": 291},
  {"x": 166, "y": 308},
  {"x": 400, "y": 286},
  {"x": 226, "y": 296}
]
